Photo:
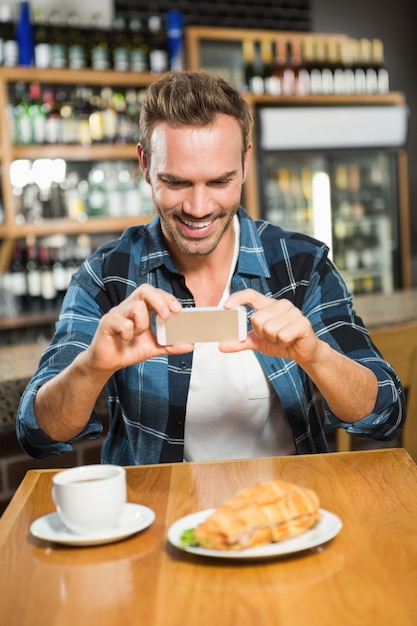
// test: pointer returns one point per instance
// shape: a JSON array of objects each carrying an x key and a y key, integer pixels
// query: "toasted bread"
[{"x": 262, "y": 513}]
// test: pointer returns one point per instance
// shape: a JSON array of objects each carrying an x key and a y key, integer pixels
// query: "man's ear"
[{"x": 143, "y": 162}]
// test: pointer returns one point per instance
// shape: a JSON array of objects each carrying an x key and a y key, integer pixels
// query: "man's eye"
[
  {"x": 221, "y": 183},
  {"x": 175, "y": 183}
]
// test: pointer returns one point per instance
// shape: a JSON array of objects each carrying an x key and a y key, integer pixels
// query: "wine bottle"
[
  {"x": 33, "y": 277},
  {"x": 48, "y": 290},
  {"x": 59, "y": 275},
  {"x": 17, "y": 279}
]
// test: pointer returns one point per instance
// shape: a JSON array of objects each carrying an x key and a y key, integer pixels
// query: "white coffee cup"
[{"x": 90, "y": 498}]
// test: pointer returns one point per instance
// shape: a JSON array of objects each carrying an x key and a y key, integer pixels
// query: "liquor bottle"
[
  {"x": 76, "y": 49},
  {"x": 348, "y": 64},
  {"x": 379, "y": 65},
  {"x": 37, "y": 114},
  {"x": 322, "y": 55},
  {"x": 75, "y": 199},
  {"x": 334, "y": 56},
  {"x": 24, "y": 34},
  {"x": 307, "y": 55},
  {"x": 123, "y": 121},
  {"x": 254, "y": 81},
  {"x": 316, "y": 83},
  {"x": 57, "y": 41},
  {"x": 302, "y": 78},
  {"x": 158, "y": 45},
  {"x": 81, "y": 113},
  {"x": 175, "y": 35},
  {"x": 97, "y": 197},
  {"x": 132, "y": 113},
  {"x": 139, "y": 49},
  {"x": 271, "y": 83},
  {"x": 68, "y": 123},
  {"x": 96, "y": 119},
  {"x": 42, "y": 46},
  {"x": 52, "y": 119},
  {"x": 358, "y": 66},
  {"x": 23, "y": 124},
  {"x": 108, "y": 115},
  {"x": 7, "y": 31},
  {"x": 100, "y": 49},
  {"x": 120, "y": 45},
  {"x": 285, "y": 69}
]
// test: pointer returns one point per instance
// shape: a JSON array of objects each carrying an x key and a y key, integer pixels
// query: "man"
[{"x": 208, "y": 401}]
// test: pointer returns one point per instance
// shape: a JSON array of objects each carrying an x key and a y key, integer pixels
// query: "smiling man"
[{"x": 206, "y": 401}]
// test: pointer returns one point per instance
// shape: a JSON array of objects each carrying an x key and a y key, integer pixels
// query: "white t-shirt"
[{"x": 232, "y": 410}]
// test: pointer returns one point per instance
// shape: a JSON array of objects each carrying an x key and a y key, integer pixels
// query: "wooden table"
[
  {"x": 379, "y": 310},
  {"x": 366, "y": 575}
]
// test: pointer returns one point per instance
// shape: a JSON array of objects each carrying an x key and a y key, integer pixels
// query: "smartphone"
[{"x": 202, "y": 324}]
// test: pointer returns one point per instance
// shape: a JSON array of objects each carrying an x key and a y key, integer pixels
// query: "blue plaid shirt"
[{"x": 147, "y": 401}]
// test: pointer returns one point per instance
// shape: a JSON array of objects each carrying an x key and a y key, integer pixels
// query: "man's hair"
[{"x": 186, "y": 98}]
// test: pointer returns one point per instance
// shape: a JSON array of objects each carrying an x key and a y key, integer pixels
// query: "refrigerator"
[{"x": 334, "y": 172}]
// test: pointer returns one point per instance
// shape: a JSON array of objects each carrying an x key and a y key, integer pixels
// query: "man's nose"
[{"x": 197, "y": 202}]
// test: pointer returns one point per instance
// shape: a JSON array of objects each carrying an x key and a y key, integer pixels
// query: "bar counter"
[{"x": 366, "y": 574}]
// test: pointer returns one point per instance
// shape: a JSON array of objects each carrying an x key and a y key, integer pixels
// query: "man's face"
[{"x": 196, "y": 175}]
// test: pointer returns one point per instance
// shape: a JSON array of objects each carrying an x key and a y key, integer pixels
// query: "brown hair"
[{"x": 187, "y": 98}]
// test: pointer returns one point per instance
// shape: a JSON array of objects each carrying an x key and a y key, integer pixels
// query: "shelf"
[
  {"x": 73, "y": 77},
  {"x": 96, "y": 152},
  {"x": 29, "y": 320},
  {"x": 71, "y": 227},
  {"x": 393, "y": 98}
]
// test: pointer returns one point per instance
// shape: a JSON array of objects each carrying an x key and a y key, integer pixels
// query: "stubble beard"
[{"x": 190, "y": 246}]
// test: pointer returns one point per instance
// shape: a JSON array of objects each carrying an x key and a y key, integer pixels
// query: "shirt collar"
[{"x": 251, "y": 261}]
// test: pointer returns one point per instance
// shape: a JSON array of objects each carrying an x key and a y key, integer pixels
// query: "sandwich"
[{"x": 262, "y": 513}]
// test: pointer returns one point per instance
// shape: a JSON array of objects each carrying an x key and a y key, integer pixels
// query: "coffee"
[{"x": 90, "y": 498}]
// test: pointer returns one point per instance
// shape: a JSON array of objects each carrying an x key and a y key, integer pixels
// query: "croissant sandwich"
[{"x": 262, "y": 513}]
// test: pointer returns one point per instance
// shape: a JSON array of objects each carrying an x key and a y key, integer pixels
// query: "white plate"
[
  {"x": 327, "y": 528},
  {"x": 135, "y": 517}
]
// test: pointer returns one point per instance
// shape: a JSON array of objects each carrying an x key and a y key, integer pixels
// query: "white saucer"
[{"x": 135, "y": 517}]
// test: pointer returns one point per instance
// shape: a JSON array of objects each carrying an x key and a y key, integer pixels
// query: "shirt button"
[
  {"x": 184, "y": 365},
  {"x": 179, "y": 422}
]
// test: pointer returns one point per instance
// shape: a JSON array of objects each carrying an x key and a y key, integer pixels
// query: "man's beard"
[{"x": 195, "y": 248}]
